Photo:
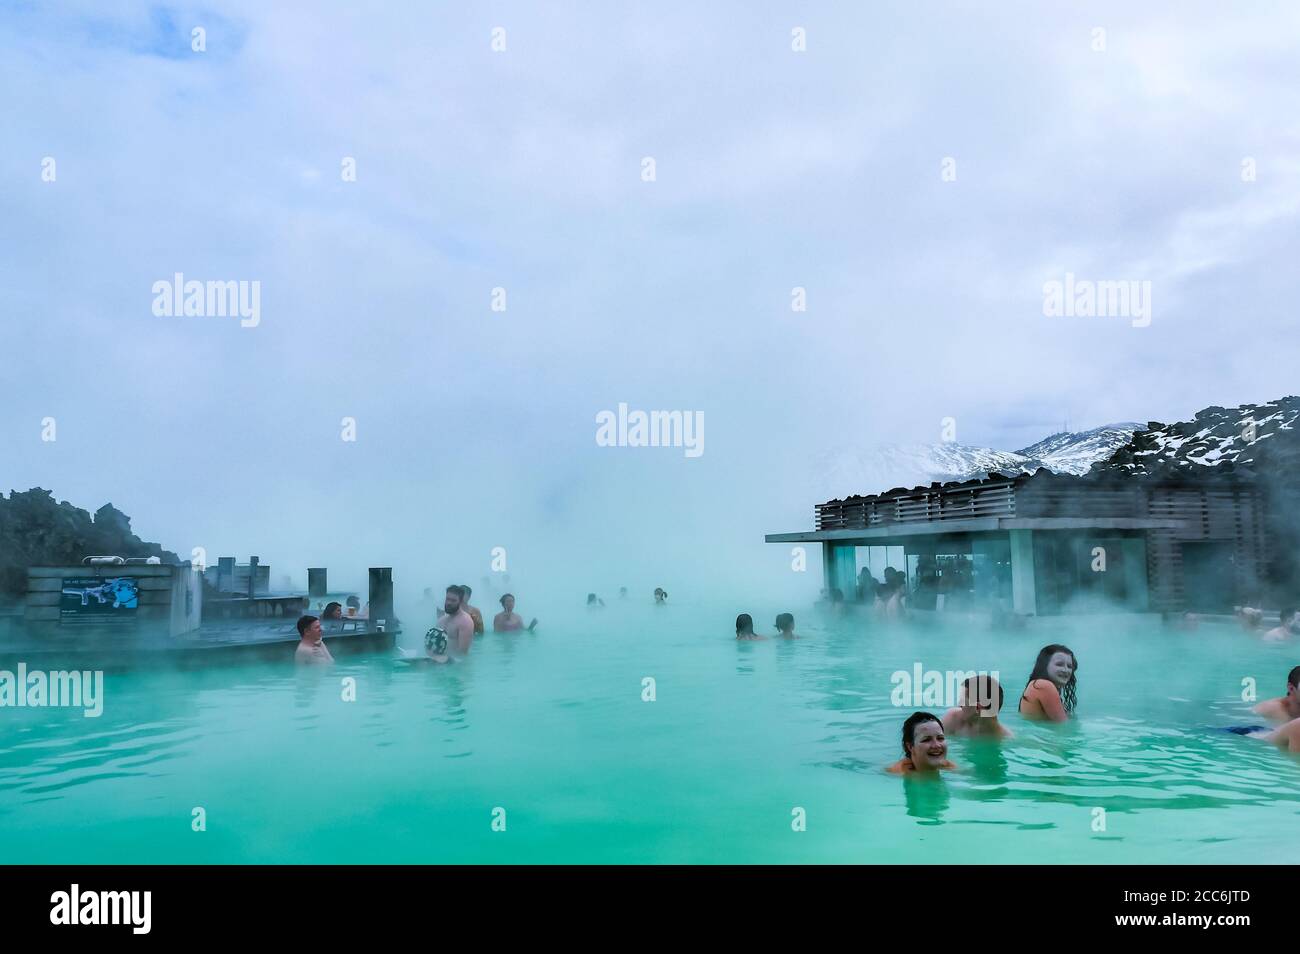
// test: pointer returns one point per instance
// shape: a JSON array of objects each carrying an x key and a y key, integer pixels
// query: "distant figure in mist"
[
  {"x": 508, "y": 621},
  {"x": 1283, "y": 708},
  {"x": 1050, "y": 693},
  {"x": 1183, "y": 622},
  {"x": 1249, "y": 617},
  {"x": 594, "y": 602},
  {"x": 867, "y": 586},
  {"x": 661, "y": 596},
  {"x": 785, "y": 626},
  {"x": 925, "y": 747},
  {"x": 745, "y": 628},
  {"x": 622, "y": 592},
  {"x": 1287, "y": 626},
  {"x": 977, "y": 709},
  {"x": 456, "y": 623},
  {"x": 311, "y": 650},
  {"x": 473, "y": 611}
]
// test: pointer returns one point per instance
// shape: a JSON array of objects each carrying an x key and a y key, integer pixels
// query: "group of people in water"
[{"x": 1051, "y": 695}]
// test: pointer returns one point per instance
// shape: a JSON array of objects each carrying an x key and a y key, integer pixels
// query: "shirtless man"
[
  {"x": 977, "y": 710},
  {"x": 1283, "y": 708},
  {"x": 473, "y": 611},
  {"x": 1286, "y": 626},
  {"x": 456, "y": 623},
  {"x": 311, "y": 650},
  {"x": 508, "y": 621}
]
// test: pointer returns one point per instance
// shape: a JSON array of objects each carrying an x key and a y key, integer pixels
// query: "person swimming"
[
  {"x": 1287, "y": 625},
  {"x": 1050, "y": 693},
  {"x": 977, "y": 709},
  {"x": 745, "y": 628},
  {"x": 785, "y": 626},
  {"x": 311, "y": 650},
  {"x": 925, "y": 746},
  {"x": 594, "y": 601},
  {"x": 1283, "y": 708},
  {"x": 661, "y": 595},
  {"x": 508, "y": 621}
]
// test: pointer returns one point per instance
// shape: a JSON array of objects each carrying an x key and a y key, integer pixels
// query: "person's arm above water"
[{"x": 1048, "y": 697}]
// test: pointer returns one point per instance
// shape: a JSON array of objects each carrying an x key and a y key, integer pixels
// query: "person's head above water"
[
  {"x": 591, "y": 599},
  {"x": 508, "y": 603},
  {"x": 1056, "y": 663},
  {"x": 333, "y": 611},
  {"x": 465, "y": 592},
  {"x": 744, "y": 625},
  {"x": 1293, "y": 682},
  {"x": 354, "y": 602},
  {"x": 660, "y": 594},
  {"x": 785, "y": 623},
  {"x": 924, "y": 743},
  {"x": 455, "y": 597},
  {"x": 309, "y": 627},
  {"x": 982, "y": 694}
]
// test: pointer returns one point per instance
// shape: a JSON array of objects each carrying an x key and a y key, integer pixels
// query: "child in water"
[
  {"x": 785, "y": 626},
  {"x": 925, "y": 747},
  {"x": 1050, "y": 693},
  {"x": 745, "y": 628},
  {"x": 977, "y": 709}
]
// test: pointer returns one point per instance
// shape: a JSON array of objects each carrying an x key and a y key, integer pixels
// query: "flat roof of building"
[{"x": 935, "y": 528}]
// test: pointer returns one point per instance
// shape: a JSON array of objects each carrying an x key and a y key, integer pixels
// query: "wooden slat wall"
[{"x": 953, "y": 503}]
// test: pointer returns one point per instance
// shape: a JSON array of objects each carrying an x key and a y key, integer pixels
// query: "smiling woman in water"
[
  {"x": 1050, "y": 692},
  {"x": 925, "y": 747}
]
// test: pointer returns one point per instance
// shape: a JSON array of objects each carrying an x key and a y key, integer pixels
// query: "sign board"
[{"x": 99, "y": 601}]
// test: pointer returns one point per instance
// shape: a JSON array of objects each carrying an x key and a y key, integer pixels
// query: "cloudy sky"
[{"x": 1113, "y": 155}]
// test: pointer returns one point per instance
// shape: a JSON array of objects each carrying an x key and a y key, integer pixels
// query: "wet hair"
[
  {"x": 1293, "y": 677},
  {"x": 978, "y": 688},
  {"x": 506, "y": 596},
  {"x": 465, "y": 591},
  {"x": 1068, "y": 696},
  {"x": 458, "y": 590},
  {"x": 744, "y": 624},
  {"x": 331, "y": 607},
  {"x": 909, "y": 729},
  {"x": 785, "y": 620},
  {"x": 354, "y": 601},
  {"x": 304, "y": 623}
]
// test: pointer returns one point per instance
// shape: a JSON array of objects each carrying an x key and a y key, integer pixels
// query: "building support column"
[
  {"x": 1023, "y": 597},
  {"x": 840, "y": 568}
]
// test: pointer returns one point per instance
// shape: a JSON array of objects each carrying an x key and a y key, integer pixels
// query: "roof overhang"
[{"x": 933, "y": 528}]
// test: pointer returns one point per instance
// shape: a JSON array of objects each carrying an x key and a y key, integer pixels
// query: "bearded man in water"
[{"x": 456, "y": 623}]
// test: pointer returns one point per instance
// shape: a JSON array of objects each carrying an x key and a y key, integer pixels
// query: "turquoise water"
[{"x": 552, "y": 728}]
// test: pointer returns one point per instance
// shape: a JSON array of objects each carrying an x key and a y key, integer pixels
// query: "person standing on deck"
[
  {"x": 456, "y": 623},
  {"x": 473, "y": 611},
  {"x": 311, "y": 650}
]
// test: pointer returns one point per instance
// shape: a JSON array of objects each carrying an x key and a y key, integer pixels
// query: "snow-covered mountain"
[
  {"x": 1257, "y": 436},
  {"x": 846, "y": 472},
  {"x": 1075, "y": 453}
]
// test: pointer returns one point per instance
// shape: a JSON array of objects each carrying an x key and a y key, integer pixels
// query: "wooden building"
[{"x": 1047, "y": 543}]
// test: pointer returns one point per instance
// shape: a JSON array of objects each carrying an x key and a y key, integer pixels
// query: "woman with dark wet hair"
[
  {"x": 333, "y": 610},
  {"x": 785, "y": 626},
  {"x": 745, "y": 628},
  {"x": 1050, "y": 693},
  {"x": 925, "y": 747}
]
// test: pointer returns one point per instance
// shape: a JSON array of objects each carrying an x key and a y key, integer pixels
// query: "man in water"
[
  {"x": 473, "y": 611},
  {"x": 661, "y": 595},
  {"x": 311, "y": 650},
  {"x": 456, "y": 623},
  {"x": 508, "y": 621},
  {"x": 1286, "y": 627},
  {"x": 1283, "y": 708},
  {"x": 977, "y": 709}
]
